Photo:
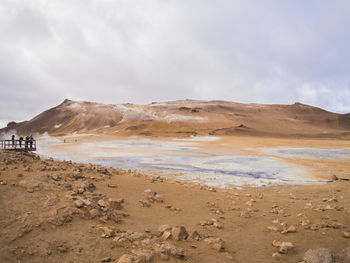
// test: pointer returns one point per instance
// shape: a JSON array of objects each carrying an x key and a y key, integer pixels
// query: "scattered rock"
[
  {"x": 290, "y": 229},
  {"x": 112, "y": 186},
  {"x": 194, "y": 235},
  {"x": 167, "y": 249},
  {"x": 3, "y": 182},
  {"x": 102, "y": 203},
  {"x": 107, "y": 232},
  {"x": 143, "y": 255},
  {"x": 126, "y": 258},
  {"x": 78, "y": 203},
  {"x": 94, "y": 213},
  {"x": 148, "y": 192},
  {"x": 55, "y": 177},
  {"x": 166, "y": 235},
  {"x": 217, "y": 243},
  {"x": 284, "y": 246},
  {"x": 145, "y": 203},
  {"x": 179, "y": 233},
  {"x": 106, "y": 260},
  {"x": 157, "y": 198},
  {"x": 334, "y": 177},
  {"x": 276, "y": 255},
  {"x": 163, "y": 228},
  {"x": 116, "y": 203},
  {"x": 88, "y": 185},
  {"x": 218, "y": 225},
  {"x": 206, "y": 222},
  {"x": 346, "y": 234},
  {"x": 62, "y": 248}
]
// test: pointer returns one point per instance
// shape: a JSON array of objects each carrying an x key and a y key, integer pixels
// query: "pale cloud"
[{"x": 142, "y": 51}]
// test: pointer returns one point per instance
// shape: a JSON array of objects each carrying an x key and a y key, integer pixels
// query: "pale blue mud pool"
[
  {"x": 316, "y": 153},
  {"x": 183, "y": 160},
  {"x": 218, "y": 171}
]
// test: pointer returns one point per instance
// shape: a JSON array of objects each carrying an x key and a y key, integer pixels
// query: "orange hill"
[{"x": 186, "y": 117}]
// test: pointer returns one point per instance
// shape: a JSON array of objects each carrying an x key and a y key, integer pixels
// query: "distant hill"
[{"x": 186, "y": 117}]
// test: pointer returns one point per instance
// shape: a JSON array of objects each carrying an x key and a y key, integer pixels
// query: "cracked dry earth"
[{"x": 68, "y": 212}]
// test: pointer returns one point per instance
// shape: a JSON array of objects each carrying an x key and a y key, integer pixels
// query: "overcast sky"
[{"x": 138, "y": 51}]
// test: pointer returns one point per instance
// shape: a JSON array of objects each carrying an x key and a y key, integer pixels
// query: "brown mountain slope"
[{"x": 186, "y": 117}]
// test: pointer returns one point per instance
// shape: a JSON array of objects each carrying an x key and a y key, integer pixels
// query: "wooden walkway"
[{"x": 18, "y": 145}]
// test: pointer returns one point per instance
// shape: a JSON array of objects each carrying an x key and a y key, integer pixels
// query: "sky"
[{"x": 137, "y": 51}]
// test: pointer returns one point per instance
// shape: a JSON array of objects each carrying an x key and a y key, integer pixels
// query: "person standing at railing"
[
  {"x": 13, "y": 140},
  {"x": 31, "y": 141},
  {"x": 20, "y": 141},
  {"x": 26, "y": 140}
]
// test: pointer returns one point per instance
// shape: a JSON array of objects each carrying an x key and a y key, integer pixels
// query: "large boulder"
[
  {"x": 320, "y": 255},
  {"x": 343, "y": 256}
]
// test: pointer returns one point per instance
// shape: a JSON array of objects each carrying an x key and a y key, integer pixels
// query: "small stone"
[
  {"x": 163, "y": 228},
  {"x": 334, "y": 177},
  {"x": 126, "y": 258},
  {"x": 55, "y": 177},
  {"x": 94, "y": 213},
  {"x": 218, "y": 246},
  {"x": 290, "y": 229},
  {"x": 179, "y": 233},
  {"x": 112, "y": 186},
  {"x": 285, "y": 247},
  {"x": 194, "y": 235},
  {"x": 218, "y": 225},
  {"x": 346, "y": 234},
  {"x": 217, "y": 243},
  {"x": 62, "y": 249},
  {"x": 105, "y": 260},
  {"x": 276, "y": 255},
  {"x": 143, "y": 255},
  {"x": 78, "y": 203},
  {"x": 167, "y": 248},
  {"x": 107, "y": 232},
  {"x": 166, "y": 235},
  {"x": 148, "y": 191},
  {"x": 228, "y": 255},
  {"x": 102, "y": 203},
  {"x": 158, "y": 198},
  {"x": 3, "y": 182}
]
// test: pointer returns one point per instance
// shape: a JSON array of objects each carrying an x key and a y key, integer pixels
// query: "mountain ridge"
[{"x": 185, "y": 117}]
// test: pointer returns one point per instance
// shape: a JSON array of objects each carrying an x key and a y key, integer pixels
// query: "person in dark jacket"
[
  {"x": 20, "y": 141},
  {"x": 13, "y": 140},
  {"x": 26, "y": 140},
  {"x": 31, "y": 141}
]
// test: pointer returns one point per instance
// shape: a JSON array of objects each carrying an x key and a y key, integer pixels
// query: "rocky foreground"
[{"x": 68, "y": 212}]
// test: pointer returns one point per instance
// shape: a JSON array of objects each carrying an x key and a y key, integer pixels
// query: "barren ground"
[{"x": 68, "y": 212}]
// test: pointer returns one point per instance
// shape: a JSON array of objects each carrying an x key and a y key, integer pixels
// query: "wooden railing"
[{"x": 18, "y": 145}]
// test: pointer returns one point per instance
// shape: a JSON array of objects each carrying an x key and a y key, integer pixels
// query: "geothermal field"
[{"x": 182, "y": 181}]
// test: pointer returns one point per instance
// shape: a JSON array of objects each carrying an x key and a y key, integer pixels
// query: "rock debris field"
[{"x": 60, "y": 211}]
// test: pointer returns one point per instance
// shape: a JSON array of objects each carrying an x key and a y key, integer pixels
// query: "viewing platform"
[{"x": 18, "y": 145}]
